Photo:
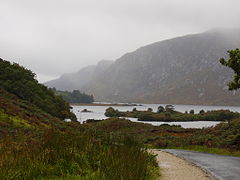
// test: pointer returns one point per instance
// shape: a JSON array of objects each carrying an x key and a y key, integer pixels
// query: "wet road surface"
[{"x": 219, "y": 166}]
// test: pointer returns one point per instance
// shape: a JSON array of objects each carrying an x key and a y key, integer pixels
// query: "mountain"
[
  {"x": 182, "y": 70},
  {"x": 77, "y": 80}
]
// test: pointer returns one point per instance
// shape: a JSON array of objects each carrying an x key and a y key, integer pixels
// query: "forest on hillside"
[
  {"x": 75, "y": 96},
  {"x": 21, "y": 82}
]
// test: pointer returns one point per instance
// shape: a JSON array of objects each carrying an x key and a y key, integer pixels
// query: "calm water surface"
[{"x": 98, "y": 113}]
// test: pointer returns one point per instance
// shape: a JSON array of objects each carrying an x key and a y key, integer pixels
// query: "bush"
[
  {"x": 110, "y": 112},
  {"x": 191, "y": 111},
  {"x": 134, "y": 109},
  {"x": 149, "y": 109}
]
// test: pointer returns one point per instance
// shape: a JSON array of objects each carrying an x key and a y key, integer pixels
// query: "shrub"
[
  {"x": 201, "y": 111},
  {"x": 191, "y": 111},
  {"x": 110, "y": 112},
  {"x": 149, "y": 109}
]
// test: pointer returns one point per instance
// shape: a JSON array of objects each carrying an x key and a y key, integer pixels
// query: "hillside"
[
  {"x": 17, "y": 115},
  {"x": 77, "y": 80},
  {"x": 36, "y": 143},
  {"x": 183, "y": 70},
  {"x": 21, "y": 82},
  {"x": 27, "y": 106}
]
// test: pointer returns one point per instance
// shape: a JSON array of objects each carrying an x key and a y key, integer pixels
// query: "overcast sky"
[{"x": 52, "y": 37}]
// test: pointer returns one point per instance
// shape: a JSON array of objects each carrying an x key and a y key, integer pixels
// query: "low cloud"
[{"x": 60, "y": 36}]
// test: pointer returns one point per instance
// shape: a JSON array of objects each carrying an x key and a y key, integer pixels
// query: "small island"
[
  {"x": 86, "y": 111},
  {"x": 169, "y": 114}
]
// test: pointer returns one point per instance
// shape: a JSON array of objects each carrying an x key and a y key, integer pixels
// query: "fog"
[{"x": 60, "y": 36}]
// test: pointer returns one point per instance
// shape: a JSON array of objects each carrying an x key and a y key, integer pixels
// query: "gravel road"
[
  {"x": 220, "y": 167},
  {"x": 175, "y": 168}
]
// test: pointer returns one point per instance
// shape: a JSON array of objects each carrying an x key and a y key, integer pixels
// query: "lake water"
[{"x": 98, "y": 113}]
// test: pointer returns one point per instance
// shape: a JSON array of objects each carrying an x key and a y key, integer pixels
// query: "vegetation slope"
[
  {"x": 224, "y": 138},
  {"x": 21, "y": 82},
  {"x": 35, "y": 142}
]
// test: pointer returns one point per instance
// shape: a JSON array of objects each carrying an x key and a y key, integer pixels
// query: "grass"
[
  {"x": 218, "y": 151},
  {"x": 74, "y": 155},
  {"x": 14, "y": 121},
  {"x": 222, "y": 139},
  {"x": 36, "y": 145},
  {"x": 110, "y": 149}
]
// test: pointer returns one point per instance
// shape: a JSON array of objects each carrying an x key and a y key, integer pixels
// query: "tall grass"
[{"x": 71, "y": 155}]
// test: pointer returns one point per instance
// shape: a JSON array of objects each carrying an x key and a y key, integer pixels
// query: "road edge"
[{"x": 208, "y": 173}]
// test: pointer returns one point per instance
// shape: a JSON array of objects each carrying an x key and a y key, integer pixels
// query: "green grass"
[
  {"x": 222, "y": 139},
  {"x": 36, "y": 145},
  {"x": 219, "y": 151},
  {"x": 75, "y": 155},
  {"x": 14, "y": 120}
]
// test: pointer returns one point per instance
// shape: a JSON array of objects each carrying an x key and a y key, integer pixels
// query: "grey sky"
[{"x": 53, "y": 37}]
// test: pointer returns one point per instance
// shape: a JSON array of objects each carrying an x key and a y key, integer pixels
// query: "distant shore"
[{"x": 103, "y": 104}]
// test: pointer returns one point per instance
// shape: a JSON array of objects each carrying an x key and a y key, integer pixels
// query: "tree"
[
  {"x": 160, "y": 109},
  {"x": 201, "y": 111},
  {"x": 149, "y": 109},
  {"x": 234, "y": 63},
  {"x": 191, "y": 111},
  {"x": 169, "y": 108}
]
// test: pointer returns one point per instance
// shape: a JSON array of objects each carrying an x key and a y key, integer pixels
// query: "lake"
[{"x": 98, "y": 113}]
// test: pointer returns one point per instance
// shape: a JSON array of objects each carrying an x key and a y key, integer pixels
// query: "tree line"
[{"x": 75, "y": 96}]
